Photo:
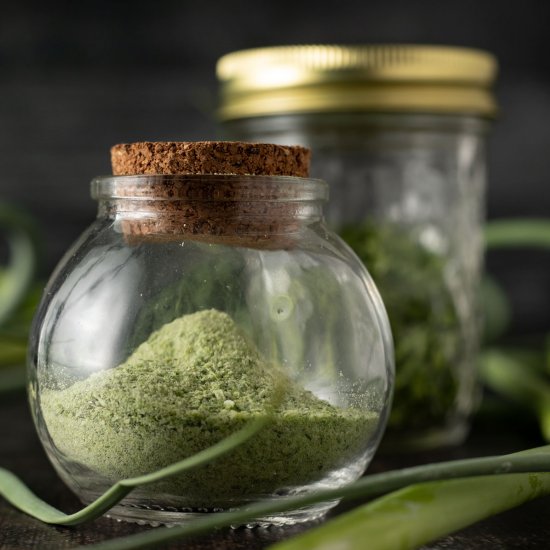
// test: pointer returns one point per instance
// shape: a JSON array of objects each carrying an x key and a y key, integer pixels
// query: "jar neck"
[
  {"x": 259, "y": 211},
  {"x": 320, "y": 129}
]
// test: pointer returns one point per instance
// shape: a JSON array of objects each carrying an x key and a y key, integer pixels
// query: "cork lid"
[
  {"x": 235, "y": 193},
  {"x": 209, "y": 157}
]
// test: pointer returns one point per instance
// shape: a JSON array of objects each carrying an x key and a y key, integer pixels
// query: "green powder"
[{"x": 193, "y": 382}]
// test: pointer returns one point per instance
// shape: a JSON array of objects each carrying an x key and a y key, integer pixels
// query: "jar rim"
[{"x": 209, "y": 187}]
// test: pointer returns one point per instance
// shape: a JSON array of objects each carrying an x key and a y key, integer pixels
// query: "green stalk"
[
  {"x": 497, "y": 311},
  {"x": 17, "y": 277},
  {"x": 518, "y": 232},
  {"x": 507, "y": 233},
  {"x": 15, "y": 492},
  {"x": 534, "y": 460},
  {"x": 512, "y": 378},
  {"x": 418, "y": 514}
]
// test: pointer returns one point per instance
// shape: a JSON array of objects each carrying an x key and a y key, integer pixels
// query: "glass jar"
[
  {"x": 180, "y": 315},
  {"x": 399, "y": 134}
]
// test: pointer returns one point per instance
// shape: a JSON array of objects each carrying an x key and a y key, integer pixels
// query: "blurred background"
[{"x": 78, "y": 77}]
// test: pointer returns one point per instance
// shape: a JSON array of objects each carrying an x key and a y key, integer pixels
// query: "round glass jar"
[
  {"x": 399, "y": 133},
  {"x": 191, "y": 306}
]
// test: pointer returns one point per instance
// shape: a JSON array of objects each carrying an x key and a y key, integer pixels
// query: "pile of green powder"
[{"x": 193, "y": 382}]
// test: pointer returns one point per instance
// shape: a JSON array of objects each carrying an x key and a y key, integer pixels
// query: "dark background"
[{"x": 77, "y": 77}]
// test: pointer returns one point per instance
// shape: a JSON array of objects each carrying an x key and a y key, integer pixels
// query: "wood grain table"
[{"x": 527, "y": 527}]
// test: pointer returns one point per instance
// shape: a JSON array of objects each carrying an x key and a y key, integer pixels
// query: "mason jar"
[
  {"x": 399, "y": 133},
  {"x": 193, "y": 305}
]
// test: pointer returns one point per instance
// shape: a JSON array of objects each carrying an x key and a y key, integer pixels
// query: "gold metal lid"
[{"x": 322, "y": 78}]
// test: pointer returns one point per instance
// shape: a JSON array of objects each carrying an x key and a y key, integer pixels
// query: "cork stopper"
[
  {"x": 194, "y": 192},
  {"x": 209, "y": 157}
]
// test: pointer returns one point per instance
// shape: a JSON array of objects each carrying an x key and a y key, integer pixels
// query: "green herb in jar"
[
  {"x": 424, "y": 322},
  {"x": 191, "y": 383}
]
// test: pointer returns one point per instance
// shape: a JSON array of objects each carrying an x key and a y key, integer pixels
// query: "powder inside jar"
[{"x": 191, "y": 383}]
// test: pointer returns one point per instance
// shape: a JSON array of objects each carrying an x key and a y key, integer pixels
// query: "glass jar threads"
[
  {"x": 399, "y": 134},
  {"x": 199, "y": 302}
]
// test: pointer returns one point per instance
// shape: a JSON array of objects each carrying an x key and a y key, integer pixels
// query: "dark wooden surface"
[{"x": 526, "y": 527}]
